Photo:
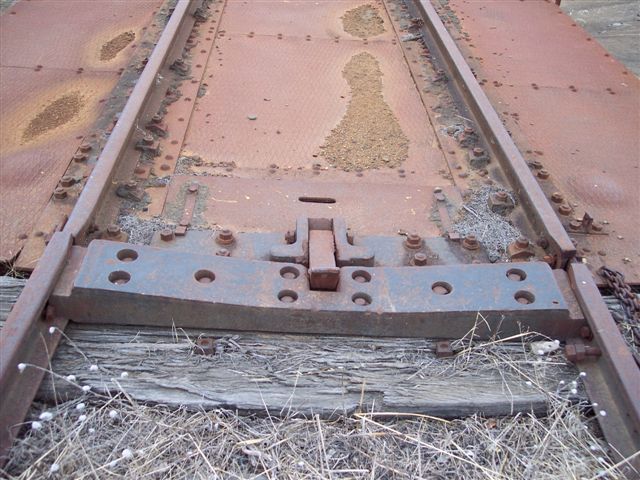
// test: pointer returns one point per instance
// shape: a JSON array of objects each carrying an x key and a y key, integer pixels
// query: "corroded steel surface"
[
  {"x": 568, "y": 105},
  {"x": 42, "y": 46}
]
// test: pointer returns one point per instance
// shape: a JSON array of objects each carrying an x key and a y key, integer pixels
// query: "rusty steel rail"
[
  {"x": 100, "y": 178},
  {"x": 26, "y": 341},
  {"x": 541, "y": 214},
  {"x": 613, "y": 378}
]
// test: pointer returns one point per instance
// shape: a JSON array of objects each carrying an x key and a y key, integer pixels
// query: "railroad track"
[{"x": 327, "y": 168}]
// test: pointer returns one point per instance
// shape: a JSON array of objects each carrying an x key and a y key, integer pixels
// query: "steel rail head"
[
  {"x": 613, "y": 378},
  {"x": 100, "y": 178},
  {"x": 26, "y": 341},
  {"x": 542, "y": 215}
]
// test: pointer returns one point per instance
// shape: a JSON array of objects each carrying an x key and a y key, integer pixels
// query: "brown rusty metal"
[
  {"x": 542, "y": 53},
  {"x": 513, "y": 164},
  {"x": 25, "y": 339},
  {"x": 99, "y": 182},
  {"x": 613, "y": 378},
  {"x": 323, "y": 272}
]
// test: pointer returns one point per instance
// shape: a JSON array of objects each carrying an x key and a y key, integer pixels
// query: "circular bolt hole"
[
  {"x": 361, "y": 299},
  {"x": 289, "y": 273},
  {"x": 287, "y": 296},
  {"x": 524, "y": 297},
  {"x": 361, "y": 276},
  {"x": 516, "y": 275},
  {"x": 119, "y": 277},
  {"x": 441, "y": 288},
  {"x": 127, "y": 255},
  {"x": 204, "y": 276}
]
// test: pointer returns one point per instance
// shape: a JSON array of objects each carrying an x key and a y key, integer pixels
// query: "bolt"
[
  {"x": 60, "y": 193},
  {"x": 577, "y": 351},
  {"x": 557, "y": 197},
  {"x": 131, "y": 185},
  {"x": 536, "y": 164},
  {"x": 156, "y": 118},
  {"x": 419, "y": 259},
  {"x": 205, "y": 346},
  {"x": 575, "y": 225},
  {"x": 470, "y": 242},
  {"x": 443, "y": 349},
  {"x": 290, "y": 237},
  {"x": 148, "y": 139},
  {"x": 549, "y": 260},
  {"x": 167, "y": 235},
  {"x": 468, "y": 130},
  {"x": 193, "y": 188},
  {"x": 543, "y": 174},
  {"x": 478, "y": 152},
  {"x": 413, "y": 241},
  {"x": 502, "y": 196},
  {"x": 85, "y": 147},
  {"x": 79, "y": 157},
  {"x": 113, "y": 230},
  {"x": 67, "y": 181},
  {"x": 225, "y": 237},
  {"x": 522, "y": 243},
  {"x": 223, "y": 252},
  {"x": 564, "y": 209}
]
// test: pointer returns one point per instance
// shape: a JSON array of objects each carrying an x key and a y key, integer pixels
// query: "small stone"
[{"x": 252, "y": 117}]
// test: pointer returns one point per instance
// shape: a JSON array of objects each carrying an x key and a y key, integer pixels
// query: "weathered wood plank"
[{"x": 300, "y": 374}]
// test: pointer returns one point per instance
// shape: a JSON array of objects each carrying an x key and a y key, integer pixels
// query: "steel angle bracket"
[{"x": 155, "y": 286}]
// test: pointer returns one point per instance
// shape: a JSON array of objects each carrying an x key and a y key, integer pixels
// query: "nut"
[
  {"x": 443, "y": 349},
  {"x": 470, "y": 242},
  {"x": 113, "y": 230},
  {"x": 478, "y": 152},
  {"x": 60, "y": 193},
  {"x": 193, "y": 188},
  {"x": 79, "y": 157},
  {"x": 167, "y": 235},
  {"x": 543, "y": 174},
  {"x": 575, "y": 225},
  {"x": 522, "y": 242},
  {"x": 419, "y": 259},
  {"x": 557, "y": 197},
  {"x": 225, "y": 237},
  {"x": 85, "y": 147},
  {"x": 205, "y": 346},
  {"x": 67, "y": 181},
  {"x": 564, "y": 209},
  {"x": 413, "y": 241},
  {"x": 223, "y": 252}
]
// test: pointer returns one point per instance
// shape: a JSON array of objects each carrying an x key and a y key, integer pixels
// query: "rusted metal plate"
[
  {"x": 570, "y": 106},
  {"x": 32, "y": 165},
  {"x": 258, "y": 205},
  {"x": 73, "y": 34},
  {"x": 220, "y": 292},
  {"x": 268, "y": 79},
  {"x": 297, "y": 18}
]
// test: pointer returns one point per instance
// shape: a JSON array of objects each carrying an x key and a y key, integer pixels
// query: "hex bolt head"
[
  {"x": 413, "y": 241},
  {"x": 468, "y": 130},
  {"x": 167, "y": 235},
  {"x": 85, "y": 147},
  {"x": 543, "y": 174},
  {"x": 79, "y": 157},
  {"x": 470, "y": 242},
  {"x": 205, "y": 346},
  {"x": 522, "y": 243},
  {"x": 148, "y": 139},
  {"x": 156, "y": 118},
  {"x": 564, "y": 209},
  {"x": 419, "y": 259},
  {"x": 67, "y": 181},
  {"x": 575, "y": 225},
  {"x": 478, "y": 152},
  {"x": 193, "y": 188},
  {"x": 131, "y": 185},
  {"x": 113, "y": 230},
  {"x": 225, "y": 237},
  {"x": 60, "y": 193},
  {"x": 223, "y": 252},
  {"x": 557, "y": 197},
  {"x": 501, "y": 195}
]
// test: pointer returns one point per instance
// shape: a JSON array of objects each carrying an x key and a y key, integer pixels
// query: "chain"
[{"x": 623, "y": 292}]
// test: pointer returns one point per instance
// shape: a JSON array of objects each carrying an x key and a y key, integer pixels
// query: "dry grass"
[{"x": 97, "y": 436}]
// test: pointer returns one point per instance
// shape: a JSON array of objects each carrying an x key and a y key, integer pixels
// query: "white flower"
[
  {"x": 92, "y": 430},
  {"x": 561, "y": 382},
  {"x": 93, "y": 368},
  {"x": 36, "y": 425},
  {"x": 46, "y": 416},
  {"x": 528, "y": 383},
  {"x": 70, "y": 378},
  {"x": 594, "y": 448},
  {"x": 82, "y": 418},
  {"x": 52, "y": 330},
  {"x": 127, "y": 454},
  {"x": 583, "y": 374},
  {"x": 603, "y": 413},
  {"x": 124, "y": 375},
  {"x": 113, "y": 463},
  {"x": 80, "y": 407},
  {"x": 601, "y": 460},
  {"x": 540, "y": 352},
  {"x": 113, "y": 414},
  {"x": 574, "y": 384},
  {"x": 594, "y": 404},
  {"x": 22, "y": 366},
  {"x": 574, "y": 391},
  {"x": 86, "y": 388},
  {"x": 54, "y": 468}
]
